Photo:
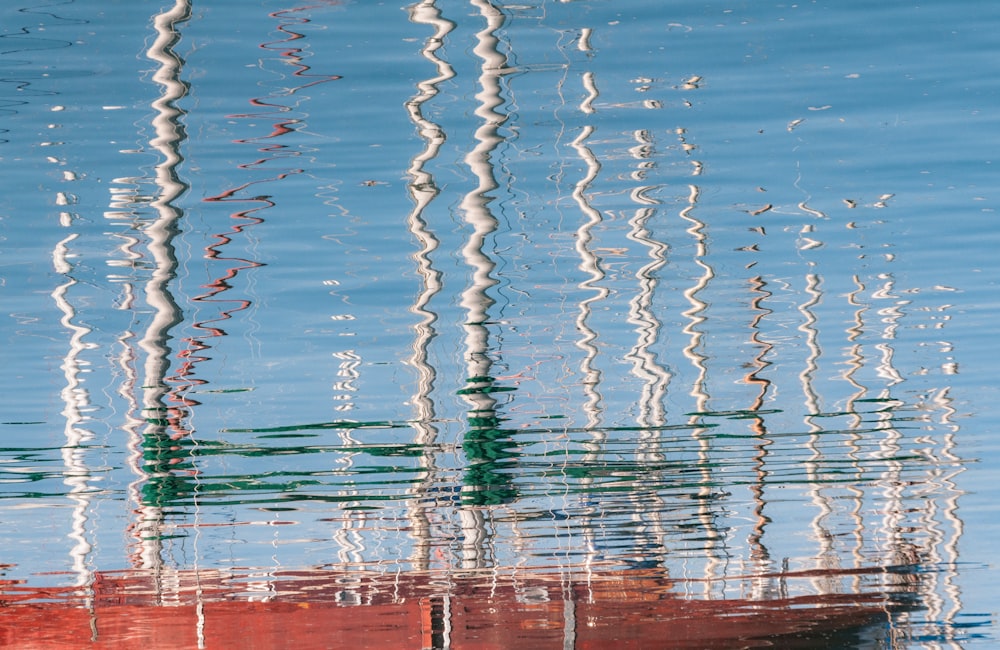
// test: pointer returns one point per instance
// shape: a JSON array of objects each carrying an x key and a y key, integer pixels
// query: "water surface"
[{"x": 483, "y": 303}]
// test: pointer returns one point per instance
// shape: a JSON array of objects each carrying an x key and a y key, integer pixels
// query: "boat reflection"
[
  {"x": 641, "y": 479},
  {"x": 483, "y": 609}
]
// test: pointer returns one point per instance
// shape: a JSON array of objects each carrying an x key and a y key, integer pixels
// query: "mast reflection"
[
  {"x": 164, "y": 437},
  {"x": 423, "y": 190},
  {"x": 486, "y": 444}
]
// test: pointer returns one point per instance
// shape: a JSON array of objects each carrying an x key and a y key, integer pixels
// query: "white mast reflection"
[
  {"x": 649, "y": 505},
  {"x": 77, "y": 400},
  {"x": 760, "y": 557},
  {"x": 590, "y": 265},
  {"x": 476, "y": 299},
  {"x": 423, "y": 190},
  {"x": 714, "y": 541},
  {"x": 159, "y": 236},
  {"x": 656, "y": 378}
]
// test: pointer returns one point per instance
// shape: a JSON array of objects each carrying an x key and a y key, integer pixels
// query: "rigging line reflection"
[
  {"x": 423, "y": 190},
  {"x": 759, "y": 554},
  {"x": 196, "y": 346},
  {"x": 294, "y": 57}
]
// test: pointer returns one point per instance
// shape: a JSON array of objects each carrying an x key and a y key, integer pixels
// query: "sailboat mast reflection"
[
  {"x": 76, "y": 399},
  {"x": 164, "y": 429},
  {"x": 485, "y": 443},
  {"x": 423, "y": 191}
]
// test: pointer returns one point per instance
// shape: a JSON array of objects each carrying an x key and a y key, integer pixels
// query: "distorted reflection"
[{"x": 571, "y": 391}]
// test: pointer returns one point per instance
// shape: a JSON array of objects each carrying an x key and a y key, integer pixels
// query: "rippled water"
[{"x": 403, "y": 306}]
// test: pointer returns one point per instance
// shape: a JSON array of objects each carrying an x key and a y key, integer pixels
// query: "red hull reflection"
[{"x": 319, "y": 609}]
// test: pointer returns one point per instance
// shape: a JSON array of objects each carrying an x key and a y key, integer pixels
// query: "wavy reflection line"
[
  {"x": 855, "y": 362},
  {"x": 169, "y": 133},
  {"x": 808, "y": 327},
  {"x": 591, "y": 375},
  {"x": 158, "y": 483},
  {"x": 890, "y": 316},
  {"x": 950, "y": 511},
  {"x": 485, "y": 443},
  {"x": 295, "y": 57},
  {"x": 656, "y": 378},
  {"x": 696, "y": 313},
  {"x": 855, "y": 356},
  {"x": 423, "y": 190},
  {"x": 759, "y": 554},
  {"x": 196, "y": 346},
  {"x": 715, "y": 552},
  {"x": 76, "y": 399},
  {"x": 590, "y": 264},
  {"x": 826, "y": 557}
]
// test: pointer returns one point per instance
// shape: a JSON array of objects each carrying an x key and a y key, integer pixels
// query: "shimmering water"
[{"x": 695, "y": 297}]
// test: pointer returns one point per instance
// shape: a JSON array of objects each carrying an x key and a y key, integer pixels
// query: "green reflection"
[{"x": 490, "y": 453}]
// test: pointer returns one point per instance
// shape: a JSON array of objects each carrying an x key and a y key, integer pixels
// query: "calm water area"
[{"x": 475, "y": 324}]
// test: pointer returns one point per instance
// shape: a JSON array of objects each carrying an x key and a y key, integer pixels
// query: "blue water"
[{"x": 704, "y": 286}]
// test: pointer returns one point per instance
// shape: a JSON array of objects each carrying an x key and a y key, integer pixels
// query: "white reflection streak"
[
  {"x": 890, "y": 316},
  {"x": 76, "y": 399},
  {"x": 695, "y": 316},
  {"x": 695, "y": 313},
  {"x": 162, "y": 230},
  {"x": 760, "y": 558},
  {"x": 855, "y": 361},
  {"x": 476, "y": 299},
  {"x": 587, "y": 105},
  {"x": 949, "y": 509},
  {"x": 644, "y": 360},
  {"x": 160, "y": 234},
  {"x": 827, "y": 556},
  {"x": 590, "y": 265},
  {"x": 423, "y": 190}
]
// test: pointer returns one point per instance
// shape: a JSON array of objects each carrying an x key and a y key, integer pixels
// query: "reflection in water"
[
  {"x": 423, "y": 190},
  {"x": 78, "y": 476},
  {"x": 164, "y": 438},
  {"x": 691, "y": 448},
  {"x": 486, "y": 442}
]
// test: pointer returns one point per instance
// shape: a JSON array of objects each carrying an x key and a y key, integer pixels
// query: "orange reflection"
[{"x": 480, "y": 609}]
